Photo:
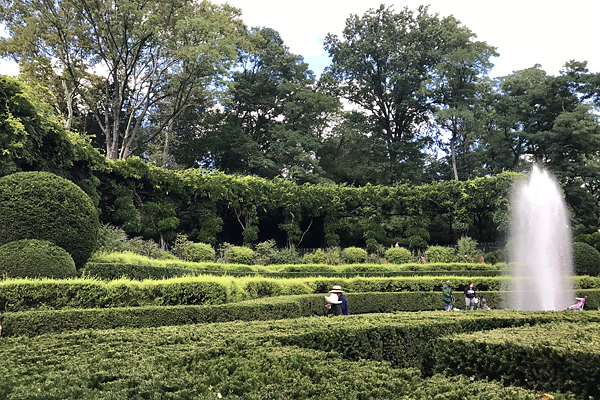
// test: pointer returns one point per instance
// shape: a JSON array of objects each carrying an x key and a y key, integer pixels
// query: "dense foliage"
[
  {"x": 586, "y": 259},
  {"x": 34, "y": 258},
  {"x": 192, "y": 91},
  {"x": 44, "y": 206}
]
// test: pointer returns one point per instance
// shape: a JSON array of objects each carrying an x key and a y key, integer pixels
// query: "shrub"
[
  {"x": 333, "y": 255},
  {"x": 593, "y": 239},
  {"x": 199, "y": 252},
  {"x": 35, "y": 259},
  {"x": 495, "y": 257},
  {"x": 397, "y": 255},
  {"x": 265, "y": 252},
  {"x": 435, "y": 254},
  {"x": 288, "y": 256},
  {"x": 318, "y": 257},
  {"x": 353, "y": 255},
  {"x": 239, "y": 255},
  {"x": 111, "y": 239},
  {"x": 467, "y": 250},
  {"x": 181, "y": 244},
  {"x": 586, "y": 259},
  {"x": 44, "y": 206}
]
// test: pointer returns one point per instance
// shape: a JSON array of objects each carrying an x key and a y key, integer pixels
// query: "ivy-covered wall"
[{"x": 213, "y": 207}]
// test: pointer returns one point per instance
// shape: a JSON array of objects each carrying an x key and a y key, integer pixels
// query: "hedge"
[
  {"x": 110, "y": 271},
  {"x": 32, "y": 323},
  {"x": 233, "y": 361},
  {"x": 23, "y": 294},
  {"x": 557, "y": 356}
]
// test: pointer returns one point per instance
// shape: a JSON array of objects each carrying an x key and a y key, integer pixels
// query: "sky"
[{"x": 525, "y": 32}]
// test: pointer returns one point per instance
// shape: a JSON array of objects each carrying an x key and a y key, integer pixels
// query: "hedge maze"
[{"x": 201, "y": 336}]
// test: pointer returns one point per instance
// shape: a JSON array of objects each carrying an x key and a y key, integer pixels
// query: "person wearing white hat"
[
  {"x": 337, "y": 289},
  {"x": 334, "y": 304}
]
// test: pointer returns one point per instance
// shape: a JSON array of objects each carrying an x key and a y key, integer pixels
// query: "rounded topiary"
[
  {"x": 44, "y": 206},
  {"x": 353, "y": 255},
  {"x": 32, "y": 258},
  {"x": 439, "y": 254},
  {"x": 318, "y": 257},
  {"x": 239, "y": 255},
  {"x": 397, "y": 255},
  {"x": 586, "y": 259},
  {"x": 199, "y": 252}
]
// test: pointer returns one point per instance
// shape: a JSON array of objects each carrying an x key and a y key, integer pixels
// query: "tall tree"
[
  {"x": 126, "y": 59},
  {"x": 382, "y": 64},
  {"x": 457, "y": 85},
  {"x": 273, "y": 123}
]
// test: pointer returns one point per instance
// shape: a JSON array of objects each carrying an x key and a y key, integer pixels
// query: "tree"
[
  {"x": 382, "y": 65},
  {"x": 31, "y": 137},
  {"x": 126, "y": 60},
  {"x": 273, "y": 123},
  {"x": 456, "y": 85}
]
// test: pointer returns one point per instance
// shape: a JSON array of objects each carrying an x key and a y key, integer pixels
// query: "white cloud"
[
  {"x": 525, "y": 32},
  {"x": 9, "y": 67}
]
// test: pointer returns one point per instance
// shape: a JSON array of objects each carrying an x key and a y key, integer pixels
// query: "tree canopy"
[{"x": 185, "y": 87}]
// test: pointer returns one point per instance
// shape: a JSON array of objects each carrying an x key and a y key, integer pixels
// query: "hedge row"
[
  {"x": 233, "y": 361},
  {"x": 32, "y": 323},
  {"x": 110, "y": 271},
  {"x": 566, "y": 359},
  {"x": 23, "y": 294}
]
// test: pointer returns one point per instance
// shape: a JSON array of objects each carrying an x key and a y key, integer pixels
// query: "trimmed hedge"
[
  {"x": 32, "y": 323},
  {"x": 35, "y": 259},
  {"x": 22, "y": 295},
  {"x": 44, "y": 206},
  {"x": 241, "y": 361},
  {"x": 566, "y": 359},
  {"x": 108, "y": 271}
]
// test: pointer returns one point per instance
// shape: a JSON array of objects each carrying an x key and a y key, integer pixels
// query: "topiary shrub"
[
  {"x": 439, "y": 254},
  {"x": 397, "y": 255},
  {"x": 32, "y": 258},
  {"x": 44, "y": 206},
  {"x": 200, "y": 252},
  {"x": 239, "y": 255},
  {"x": 586, "y": 259},
  {"x": 318, "y": 257},
  {"x": 353, "y": 255}
]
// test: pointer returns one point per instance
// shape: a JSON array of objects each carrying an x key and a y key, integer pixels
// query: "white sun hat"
[{"x": 333, "y": 299}]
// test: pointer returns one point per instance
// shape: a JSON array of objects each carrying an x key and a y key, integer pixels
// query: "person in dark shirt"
[
  {"x": 337, "y": 289},
  {"x": 470, "y": 296}
]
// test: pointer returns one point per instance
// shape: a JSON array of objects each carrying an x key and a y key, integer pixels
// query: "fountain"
[{"x": 541, "y": 252}]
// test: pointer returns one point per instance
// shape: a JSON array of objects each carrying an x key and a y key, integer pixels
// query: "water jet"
[{"x": 540, "y": 246}]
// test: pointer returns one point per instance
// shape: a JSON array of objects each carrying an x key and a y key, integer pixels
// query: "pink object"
[{"x": 579, "y": 305}]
